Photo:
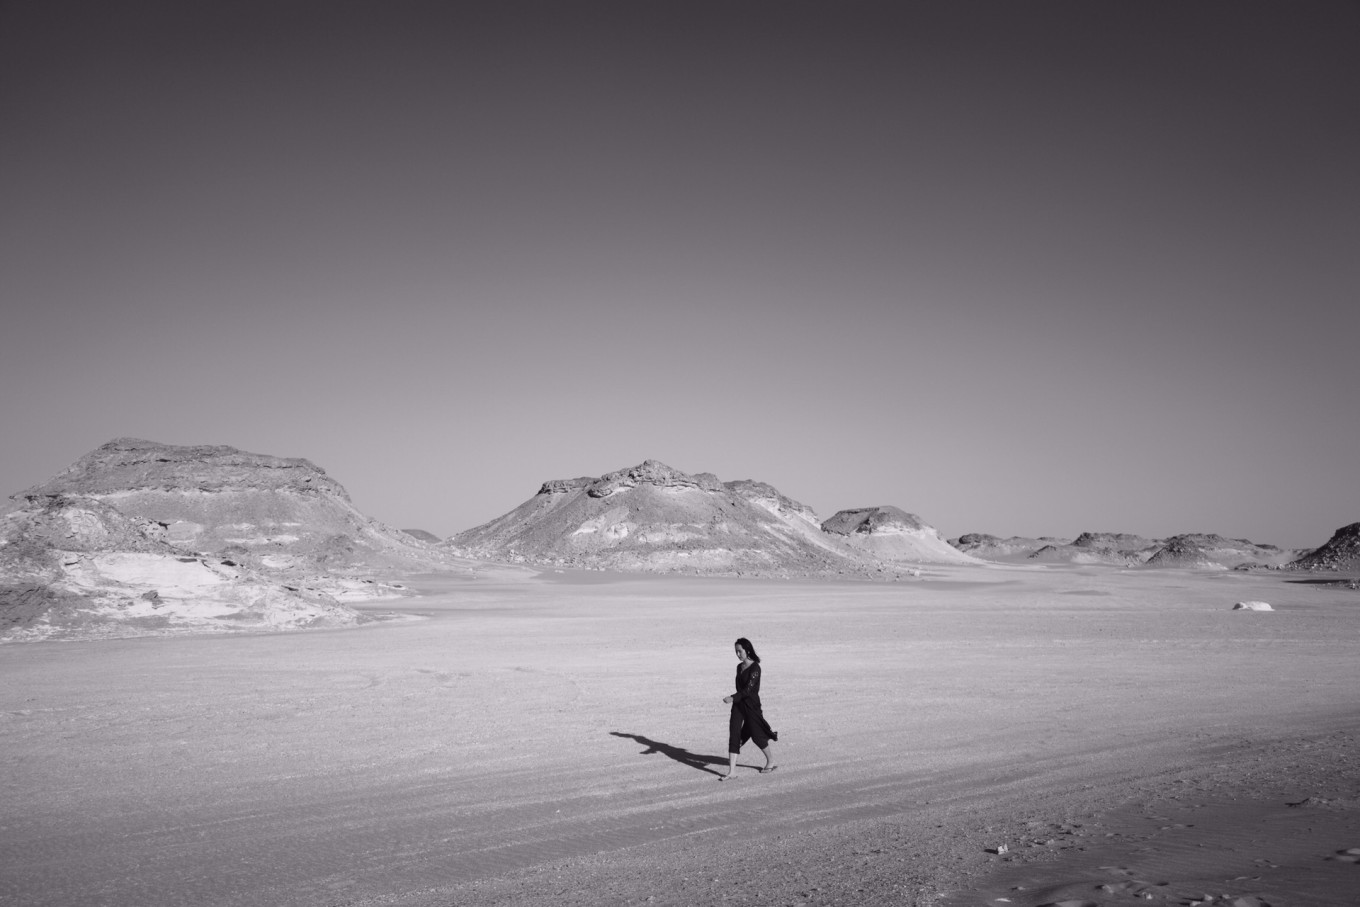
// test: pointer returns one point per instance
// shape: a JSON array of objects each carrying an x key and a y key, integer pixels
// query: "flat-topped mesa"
[
  {"x": 280, "y": 513},
  {"x": 1342, "y": 552},
  {"x": 132, "y": 464}
]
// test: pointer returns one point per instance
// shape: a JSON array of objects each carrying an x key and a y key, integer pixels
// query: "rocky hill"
[
  {"x": 655, "y": 518},
  {"x": 1341, "y": 553},
  {"x": 274, "y": 513},
  {"x": 75, "y": 567},
  {"x": 1209, "y": 551},
  {"x": 893, "y": 535},
  {"x": 195, "y": 537}
]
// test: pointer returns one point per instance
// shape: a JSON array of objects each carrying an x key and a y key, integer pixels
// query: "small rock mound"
[
  {"x": 1252, "y": 606},
  {"x": 1341, "y": 553},
  {"x": 893, "y": 535},
  {"x": 421, "y": 535}
]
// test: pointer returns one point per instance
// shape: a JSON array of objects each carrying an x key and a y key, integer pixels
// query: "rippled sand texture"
[{"x": 556, "y": 741}]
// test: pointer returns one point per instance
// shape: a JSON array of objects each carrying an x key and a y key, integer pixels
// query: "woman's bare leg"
[
  {"x": 769, "y": 758},
  {"x": 731, "y": 767}
]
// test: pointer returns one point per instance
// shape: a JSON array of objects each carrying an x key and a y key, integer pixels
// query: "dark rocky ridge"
[{"x": 1341, "y": 552}]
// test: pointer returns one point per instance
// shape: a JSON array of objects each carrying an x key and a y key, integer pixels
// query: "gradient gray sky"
[{"x": 1020, "y": 268}]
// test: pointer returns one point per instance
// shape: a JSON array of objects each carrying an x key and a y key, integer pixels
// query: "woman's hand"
[{"x": 727, "y": 699}]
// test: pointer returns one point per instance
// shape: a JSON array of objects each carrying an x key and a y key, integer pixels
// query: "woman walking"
[{"x": 748, "y": 721}]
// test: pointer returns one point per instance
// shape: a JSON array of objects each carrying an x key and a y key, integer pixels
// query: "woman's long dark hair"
[{"x": 750, "y": 649}]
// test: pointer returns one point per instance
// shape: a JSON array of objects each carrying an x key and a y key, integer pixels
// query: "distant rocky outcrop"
[
  {"x": 1124, "y": 549},
  {"x": 654, "y": 518},
  {"x": 1113, "y": 541},
  {"x": 994, "y": 548},
  {"x": 1209, "y": 551},
  {"x": 1116, "y": 549},
  {"x": 75, "y": 567},
  {"x": 1341, "y": 553},
  {"x": 893, "y": 535}
]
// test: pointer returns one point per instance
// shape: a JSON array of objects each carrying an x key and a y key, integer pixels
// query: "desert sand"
[{"x": 1120, "y": 737}]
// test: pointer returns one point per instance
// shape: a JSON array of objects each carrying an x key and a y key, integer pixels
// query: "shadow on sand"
[{"x": 679, "y": 754}]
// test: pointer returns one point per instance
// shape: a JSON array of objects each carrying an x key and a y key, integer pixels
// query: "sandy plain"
[{"x": 1126, "y": 736}]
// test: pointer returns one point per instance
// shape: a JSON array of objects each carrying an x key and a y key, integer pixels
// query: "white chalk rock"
[{"x": 1252, "y": 606}]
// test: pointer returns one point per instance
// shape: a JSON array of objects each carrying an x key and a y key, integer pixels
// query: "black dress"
[{"x": 748, "y": 721}]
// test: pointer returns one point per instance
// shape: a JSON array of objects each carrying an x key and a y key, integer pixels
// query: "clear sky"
[{"x": 1020, "y": 268}]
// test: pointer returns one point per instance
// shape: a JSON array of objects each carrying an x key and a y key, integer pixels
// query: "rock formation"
[
  {"x": 1341, "y": 553},
  {"x": 421, "y": 535},
  {"x": 655, "y": 518},
  {"x": 1116, "y": 549},
  {"x": 1122, "y": 549},
  {"x": 1208, "y": 551},
  {"x": 893, "y": 535},
  {"x": 994, "y": 548},
  {"x": 268, "y": 512},
  {"x": 1252, "y": 606},
  {"x": 75, "y": 567},
  {"x": 139, "y": 537}
]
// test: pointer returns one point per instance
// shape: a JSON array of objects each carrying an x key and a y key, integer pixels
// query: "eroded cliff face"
[
  {"x": 73, "y": 567},
  {"x": 139, "y": 537},
  {"x": 654, "y": 518}
]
